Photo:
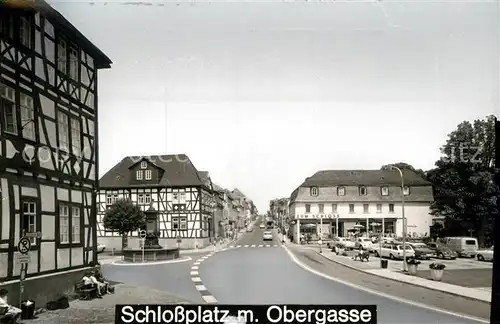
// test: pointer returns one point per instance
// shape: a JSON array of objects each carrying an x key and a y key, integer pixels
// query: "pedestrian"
[{"x": 8, "y": 313}]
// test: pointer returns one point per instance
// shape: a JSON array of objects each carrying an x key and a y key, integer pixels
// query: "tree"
[
  {"x": 124, "y": 217},
  {"x": 404, "y": 166},
  {"x": 464, "y": 191}
]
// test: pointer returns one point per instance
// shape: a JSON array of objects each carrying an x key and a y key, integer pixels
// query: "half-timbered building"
[
  {"x": 48, "y": 147},
  {"x": 170, "y": 184}
]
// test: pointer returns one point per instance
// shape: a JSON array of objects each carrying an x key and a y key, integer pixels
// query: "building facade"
[
  {"x": 48, "y": 153},
  {"x": 170, "y": 184},
  {"x": 361, "y": 201}
]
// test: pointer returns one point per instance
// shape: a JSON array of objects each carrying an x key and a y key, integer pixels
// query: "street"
[{"x": 251, "y": 271}]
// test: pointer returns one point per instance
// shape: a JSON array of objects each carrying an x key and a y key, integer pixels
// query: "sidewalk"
[
  {"x": 393, "y": 273},
  {"x": 102, "y": 311}
]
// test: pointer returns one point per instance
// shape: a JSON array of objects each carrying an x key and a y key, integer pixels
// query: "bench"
[
  {"x": 86, "y": 293},
  {"x": 8, "y": 319}
]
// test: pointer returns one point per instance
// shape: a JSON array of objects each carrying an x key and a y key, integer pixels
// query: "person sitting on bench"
[
  {"x": 8, "y": 313},
  {"x": 89, "y": 282}
]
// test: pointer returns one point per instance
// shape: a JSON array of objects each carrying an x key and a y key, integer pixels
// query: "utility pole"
[{"x": 495, "y": 287}]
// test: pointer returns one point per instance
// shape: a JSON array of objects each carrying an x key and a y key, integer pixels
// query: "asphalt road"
[{"x": 269, "y": 276}]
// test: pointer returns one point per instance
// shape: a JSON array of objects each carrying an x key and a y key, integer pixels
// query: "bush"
[
  {"x": 436, "y": 266},
  {"x": 412, "y": 261}
]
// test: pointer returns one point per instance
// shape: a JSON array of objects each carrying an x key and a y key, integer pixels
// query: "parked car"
[
  {"x": 422, "y": 251},
  {"x": 262, "y": 226},
  {"x": 441, "y": 251},
  {"x": 346, "y": 243},
  {"x": 485, "y": 254},
  {"x": 101, "y": 248},
  {"x": 364, "y": 243},
  {"x": 267, "y": 236},
  {"x": 395, "y": 251},
  {"x": 464, "y": 246}
]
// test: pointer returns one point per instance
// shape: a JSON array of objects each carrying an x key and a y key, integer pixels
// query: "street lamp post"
[
  {"x": 402, "y": 214},
  {"x": 321, "y": 233}
]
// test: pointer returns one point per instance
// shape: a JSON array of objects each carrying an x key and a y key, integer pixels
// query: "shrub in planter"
[
  {"x": 412, "y": 264},
  {"x": 437, "y": 270}
]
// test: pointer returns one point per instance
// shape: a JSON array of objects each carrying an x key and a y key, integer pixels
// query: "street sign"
[
  {"x": 143, "y": 234},
  {"x": 24, "y": 245},
  {"x": 23, "y": 258},
  {"x": 34, "y": 234}
]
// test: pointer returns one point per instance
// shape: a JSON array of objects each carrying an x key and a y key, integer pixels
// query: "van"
[{"x": 464, "y": 246}]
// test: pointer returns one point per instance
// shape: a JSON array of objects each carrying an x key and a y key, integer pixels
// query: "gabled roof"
[
  {"x": 60, "y": 23},
  {"x": 178, "y": 169},
  {"x": 238, "y": 193},
  {"x": 328, "y": 178}
]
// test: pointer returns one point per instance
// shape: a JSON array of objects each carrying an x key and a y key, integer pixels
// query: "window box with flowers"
[{"x": 437, "y": 270}]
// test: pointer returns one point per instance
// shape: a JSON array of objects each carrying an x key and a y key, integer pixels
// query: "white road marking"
[
  {"x": 231, "y": 246},
  {"x": 197, "y": 263},
  {"x": 196, "y": 279},
  {"x": 238, "y": 246},
  {"x": 267, "y": 245},
  {"x": 253, "y": 245},
  {"x": 194, "y": 267},
  {"x": 246, "y": 245},
  {"x": 373, "y": 292},
  {"x": 209, "y": 299},
  {"x": 200, "y": 287},
  {"x": 194, "y": 273},
  {"x": 261, "y": 245},
  {"x": 200, "y": 260}
]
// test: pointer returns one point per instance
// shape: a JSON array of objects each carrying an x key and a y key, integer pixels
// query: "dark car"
[
  {"x": 442, "y": 252},
  {"x": 422, "y": 251}
]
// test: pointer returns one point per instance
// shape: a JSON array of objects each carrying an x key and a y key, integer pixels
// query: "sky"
[{"x": 263, "y": 94}]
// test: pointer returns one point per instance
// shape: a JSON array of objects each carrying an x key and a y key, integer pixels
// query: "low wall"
[
  {"x": 134, "y": 243},
  {"x": 44, "y": 288},
  {"x": 150, "y": 255}
]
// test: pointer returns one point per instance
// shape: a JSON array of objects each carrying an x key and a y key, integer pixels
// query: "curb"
[
  {"x": 404, "y": 282},
  {"x": 198, "y": 284}
]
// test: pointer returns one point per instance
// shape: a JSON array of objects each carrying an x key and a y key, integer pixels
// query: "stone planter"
[
  {"x": 436, "y": 275},
  {"x": 412, "y": 269}
]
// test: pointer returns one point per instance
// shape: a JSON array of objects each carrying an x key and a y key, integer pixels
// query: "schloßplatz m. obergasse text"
[{"x": 191, "y": 314}]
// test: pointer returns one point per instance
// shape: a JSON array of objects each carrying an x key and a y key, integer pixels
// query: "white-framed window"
[
  {"x": 148, "y": 174},
  {"x": 63, "y": 128},
  {"x": 351, "y": 208},
  {"x": 334, "y": 208},
  {"x": 366, "y": 208},
  {"x": 384, "y": 191},
  {"x": 8, "y": 101},
  {"x": 321, "y": 208},
  {"x": 362, "y": 191},
  {"x": 29, "y": 218},
  {"x": 27, "y": 116},
  {"x": 314, "y": 191},
  {"x": 138, "y": 175},
  {"x": 140, "y": 199},
  {"x": 340, "y": 191},
  {"x": 115, "y": 198},
  {"x": 25, "y": 31},
  {"x": 175, "y": 223},
  {"x": 308, "y": 208},
  {"x": 73, "y": 63},
  {"x": 61, "y": 55},
  {"x": 109, "y": 200},
  {"x": 147, "y": 199},
  {"x": 182, "y": 197},
  {"x": 406, "y": 190},
  {"x": 379, "y": 208},
  {"x": 175, "y": 198},
  {"x": 144, "y": 165},
  {"x": 391, "y": 208},
  {"x": 76, "y": 143},
  {"x": 63, "y": 224},
  {"x": 183, "y": 223},
  {"x": 76, "y": 222}
]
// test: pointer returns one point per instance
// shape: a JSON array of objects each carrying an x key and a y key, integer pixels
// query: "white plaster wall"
[
  {"x": 47, "y": 253},
  {"x": 62, "y": 258},
  {"x": 4, "y": 261},
  {"x": 4, "y": 231},
  {"x": 47, "y": 198},
  {"x": 48, "y": 227},
  {"x": 76, "y": 256},
  {"x": 28, "y": 191},
  {"x": 62, "y": 194}
]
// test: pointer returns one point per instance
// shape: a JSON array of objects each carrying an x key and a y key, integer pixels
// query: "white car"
[
  {"x": 364, "y": 243},
  {"x": 268, "y": 236},
  {"x": 395, "y": 251},
  {"x": 262, "y": 226},
  {"x": 485, "y": 254},
  {"x": 346, "y": 243}
]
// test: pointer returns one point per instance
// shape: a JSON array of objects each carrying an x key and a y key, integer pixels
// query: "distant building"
[
  {"x": 49, "y": 148},
  {"x": 170, "y": 184},
  {"x": 363, "y": 201}
]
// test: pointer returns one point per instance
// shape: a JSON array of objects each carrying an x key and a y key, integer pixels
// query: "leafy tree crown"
[{"x": 124, "y": 217}]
